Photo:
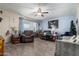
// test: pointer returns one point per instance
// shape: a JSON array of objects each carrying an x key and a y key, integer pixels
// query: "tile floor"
[{"x": 38, "y": 48}]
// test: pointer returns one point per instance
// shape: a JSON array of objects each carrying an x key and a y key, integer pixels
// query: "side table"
[
  {"x": 53, "y": 39},
  {"x": 15, "y": 39}
]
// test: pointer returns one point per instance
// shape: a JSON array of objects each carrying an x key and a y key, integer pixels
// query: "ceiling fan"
[{"x": 40, "y": 12}]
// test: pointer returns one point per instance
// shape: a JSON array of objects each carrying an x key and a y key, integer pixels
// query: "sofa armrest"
[
  {"x": 32, "y": 35},
  {"x": 23, "y": 35}
]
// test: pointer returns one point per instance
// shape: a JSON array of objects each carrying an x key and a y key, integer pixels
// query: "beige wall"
[{"x": 10, "y": 19}]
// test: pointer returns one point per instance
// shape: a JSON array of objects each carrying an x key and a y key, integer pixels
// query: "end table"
[{"x": 15, "y": 39}]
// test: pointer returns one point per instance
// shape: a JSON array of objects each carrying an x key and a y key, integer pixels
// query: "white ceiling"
[{"x": 54, "y": 9}]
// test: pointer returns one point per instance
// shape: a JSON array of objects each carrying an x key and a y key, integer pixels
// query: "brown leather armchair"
[{"x": 27, "y": 36}]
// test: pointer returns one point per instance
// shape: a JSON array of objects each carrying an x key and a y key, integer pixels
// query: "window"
[{"x": 26, "y": 26}]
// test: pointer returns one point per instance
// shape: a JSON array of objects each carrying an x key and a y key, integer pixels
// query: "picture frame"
[{"x": 53, "y": 23}]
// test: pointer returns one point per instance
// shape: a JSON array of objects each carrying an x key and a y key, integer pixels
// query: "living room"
[{"x": 39, "y": 29}]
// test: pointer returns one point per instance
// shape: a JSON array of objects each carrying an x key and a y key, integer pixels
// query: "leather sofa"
[{"x": 27, "y": 36}]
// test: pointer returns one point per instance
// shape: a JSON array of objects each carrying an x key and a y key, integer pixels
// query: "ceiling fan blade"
[
  {"x": 35, "y": 15},
  {"x": 42, "y": 15},
  {"x": 44, "y": 12}
]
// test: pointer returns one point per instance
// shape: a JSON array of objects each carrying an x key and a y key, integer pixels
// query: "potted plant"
[{"x": 73, "y": 28}]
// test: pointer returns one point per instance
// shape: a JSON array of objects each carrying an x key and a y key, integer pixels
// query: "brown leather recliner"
[{"x": 27, "y": 36}]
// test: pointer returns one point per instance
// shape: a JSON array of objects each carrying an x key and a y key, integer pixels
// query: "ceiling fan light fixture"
[{"x": 39, "y": 14}]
